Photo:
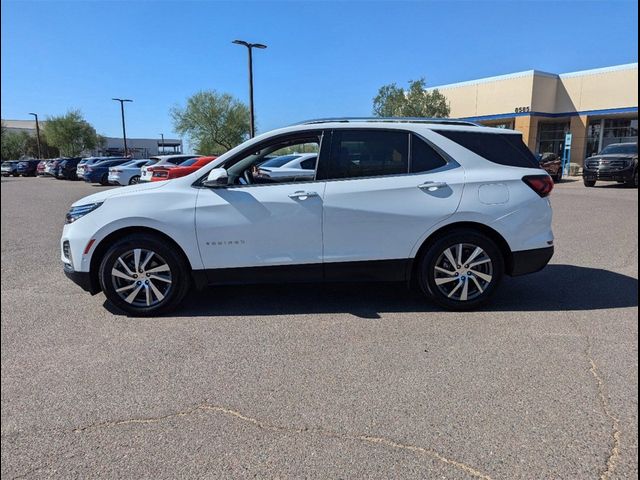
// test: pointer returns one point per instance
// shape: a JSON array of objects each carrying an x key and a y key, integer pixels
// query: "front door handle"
[
  {"x": 300, "y": 195},
  {"x": 432, "y": 186}
]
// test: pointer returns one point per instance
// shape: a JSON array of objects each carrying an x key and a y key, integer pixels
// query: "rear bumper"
[{"x": 529, "y": 261}]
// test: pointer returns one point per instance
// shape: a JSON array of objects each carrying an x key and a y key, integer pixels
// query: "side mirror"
[{"x": 217, "y": 177}]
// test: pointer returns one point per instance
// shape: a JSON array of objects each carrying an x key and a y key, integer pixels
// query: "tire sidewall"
[
  {"x": 177, "y": 265},
  {"x": 426, "y": 273},
  {"x": 137, "y": 177}
]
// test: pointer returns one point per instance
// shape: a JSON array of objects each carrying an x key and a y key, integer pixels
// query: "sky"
[{"x": 323, "y": 58}]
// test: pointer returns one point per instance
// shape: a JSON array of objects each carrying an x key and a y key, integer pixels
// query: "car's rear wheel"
[
  {"x": 135, "y": 179},
  {"x": 461, "y": 270},
  {"x": 142, "y": 276},
  {"x": 589, "y": 183}
]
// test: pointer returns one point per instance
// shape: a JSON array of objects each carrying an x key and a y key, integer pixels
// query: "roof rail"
[{"x": 441, "y": 121}]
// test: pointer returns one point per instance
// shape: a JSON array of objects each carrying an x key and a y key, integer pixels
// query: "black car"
[
  {"x": 617, "y": 162},
  {"x": 27, "y": 168},
  {"x": 67, "y": 169}
]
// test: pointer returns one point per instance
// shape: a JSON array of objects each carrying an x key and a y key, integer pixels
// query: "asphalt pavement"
[{"x": 355, "y": 381}]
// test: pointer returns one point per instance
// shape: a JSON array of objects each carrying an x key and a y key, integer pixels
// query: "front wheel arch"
[{"x": 104, "y": 245}]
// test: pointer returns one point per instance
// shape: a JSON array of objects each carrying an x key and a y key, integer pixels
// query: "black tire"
[
  {"x": 494, "y": 269},
  {"x": 134, "y": 180},
  {"x": 105, "y": 179},
  {"x": 557, "y": 178},
  {"x": 178, "y": 271},
  {"x": 633, "y": 181},
  {"x": 589, "y": 183}
]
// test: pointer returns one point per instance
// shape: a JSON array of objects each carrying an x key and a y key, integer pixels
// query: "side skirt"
[{"x": 365, "y": 271}]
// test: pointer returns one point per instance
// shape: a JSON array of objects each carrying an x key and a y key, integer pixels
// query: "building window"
[
  {"x": 551, "y": 137},
  {"x": 603, "y": 132},
  {"x": 508, "y": 124}
]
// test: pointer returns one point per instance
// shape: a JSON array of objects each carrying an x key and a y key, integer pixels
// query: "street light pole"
[
  {"x": 250, "y": 47},
  {"x": 38, "y": 135},
  {"x": 124, "y": 131}
]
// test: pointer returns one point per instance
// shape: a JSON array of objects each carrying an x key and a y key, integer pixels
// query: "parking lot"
[{"x": 358, "y": 381}]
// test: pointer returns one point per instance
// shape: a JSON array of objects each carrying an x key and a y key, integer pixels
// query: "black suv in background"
[
  {"x": 617, "y": 162},
  {"x": 67, "y": 168}
]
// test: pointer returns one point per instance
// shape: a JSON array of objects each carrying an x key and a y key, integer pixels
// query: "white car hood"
[{"x": 118, "y": 191}]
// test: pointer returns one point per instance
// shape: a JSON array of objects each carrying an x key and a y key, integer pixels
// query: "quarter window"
[
  {"x": 366, "y": 153},
  {"x": 424, "y": 157}
]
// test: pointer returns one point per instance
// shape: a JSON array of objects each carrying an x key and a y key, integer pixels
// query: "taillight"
[{"x": 541, "y": 184}]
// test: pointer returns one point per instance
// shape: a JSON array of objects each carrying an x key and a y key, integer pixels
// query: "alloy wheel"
[
  {"x": 463, "y": 272},
  {"x": 141, "y": 277}
]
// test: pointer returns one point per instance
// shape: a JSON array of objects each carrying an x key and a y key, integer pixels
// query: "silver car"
[{"x": 128, "y": 173}]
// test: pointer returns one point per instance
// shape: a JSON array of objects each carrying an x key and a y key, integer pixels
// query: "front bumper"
[
  {"x": 529, "y": 261},
  {"x": 82, "y": 279},
  {"x": 609, "y": 175}
]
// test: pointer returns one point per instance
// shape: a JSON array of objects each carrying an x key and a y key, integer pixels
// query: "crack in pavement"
[
  {"x": 277, "y": 428},
  {"x": 614, "y": 453}
]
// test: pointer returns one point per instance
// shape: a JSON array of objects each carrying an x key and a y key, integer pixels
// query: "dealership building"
[
  {"x": 597, "y": 107},
  {"x": 137, "y": 147}
]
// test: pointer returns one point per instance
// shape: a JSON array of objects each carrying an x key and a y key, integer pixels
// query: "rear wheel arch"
[
  {"x": 489, "y": 232},
  {"x": 104, "y": 245}
]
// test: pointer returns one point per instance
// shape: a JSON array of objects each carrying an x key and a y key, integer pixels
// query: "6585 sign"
[{"x": 523, "y": 109}]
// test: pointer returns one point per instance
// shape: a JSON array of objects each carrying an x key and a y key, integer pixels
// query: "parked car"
[
  {"x": 449, "y": 205},
  {"x": 99, "y": 172},
  {"x": 617, "y": 162},
  {"x": 8, "y": 168},
  {"x": 185, "y": 168},
  {"x": 41, "y": 167},
  {"x": 552, "y": 164},
  {"x": 91, "y": 161},
  {"x": 27, "y": 168},
  {"x": 67, "y": 168},
  {"x": 128, "y": 173},
  {"x": 51, "y": 167},
  {"x": 146, "y": 173},
  {"x": 295, "y": 167}
]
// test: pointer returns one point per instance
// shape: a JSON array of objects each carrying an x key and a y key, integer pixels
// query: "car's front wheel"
[
  {"x": 461, "y": 270},
  {"x": 589, "y": 183},
  {"x": 142, "y": 276}
]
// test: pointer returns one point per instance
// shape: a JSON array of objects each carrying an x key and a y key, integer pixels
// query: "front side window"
[
  {"x": 268, "y": 165},
  {"x": 368, "y": 153}
]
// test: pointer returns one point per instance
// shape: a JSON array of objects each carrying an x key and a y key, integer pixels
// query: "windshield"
[
  {"x": 626, "y": 148},
  {"x": 279, "y": 161}
]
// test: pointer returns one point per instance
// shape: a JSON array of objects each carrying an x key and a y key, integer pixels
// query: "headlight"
[{"x": 80, "y": 211}]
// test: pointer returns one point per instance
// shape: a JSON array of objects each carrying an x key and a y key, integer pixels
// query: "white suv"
[{"x": 449, "y": 205}]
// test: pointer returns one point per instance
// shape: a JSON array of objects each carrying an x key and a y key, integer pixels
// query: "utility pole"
[{"x": 38, "y": 135}]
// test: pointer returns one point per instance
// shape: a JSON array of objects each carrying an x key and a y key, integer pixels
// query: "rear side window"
[
  {"x": 366, "y": 153},
  {"x": 502, "y": 148},
  {"x": 424, "y": 157},
  {"x": 309, "y": 163}
]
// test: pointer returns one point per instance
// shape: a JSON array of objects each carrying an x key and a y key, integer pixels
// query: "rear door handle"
[
  {"x": 302, "y": 195},
  {"x": 432, "y": 186}
]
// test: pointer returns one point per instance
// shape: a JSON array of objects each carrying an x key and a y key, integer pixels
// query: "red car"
[
  {"x": 167, "y": 172},
  {"x": 40, "y": 168}
]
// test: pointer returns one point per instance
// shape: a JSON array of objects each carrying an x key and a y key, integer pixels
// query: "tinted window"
[
  {"x": 191, "y": 161},
  {"x": 309, "y": 163},
  {"x": 279, "y": 161},
  {"x": 502, "y": 148},
  {"x": 424, "y": 157},
  {"x": 366, "y": 153}
]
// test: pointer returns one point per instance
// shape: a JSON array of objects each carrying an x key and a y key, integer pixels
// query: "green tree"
[
  {"x": 12, "y": 145},
  {"x": 70, "y": 133},
  {"x": 213, "y": 122},
  {"x": 416, "y": 101}
]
